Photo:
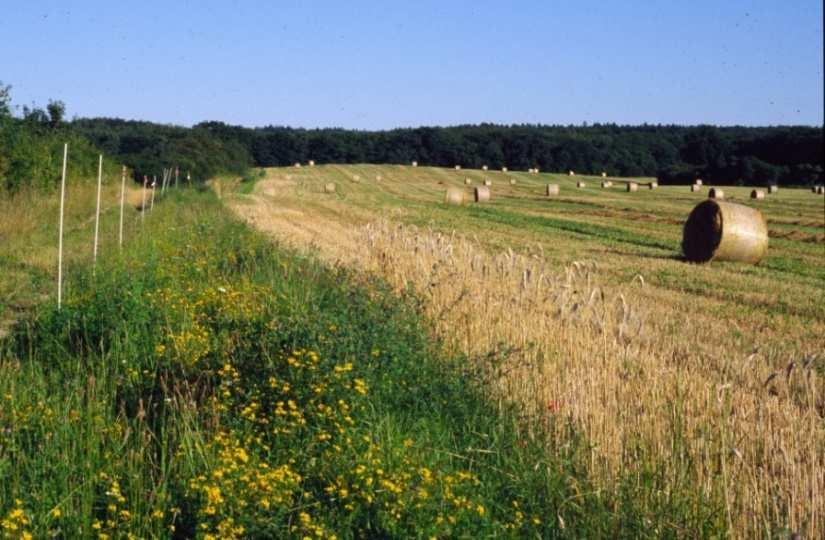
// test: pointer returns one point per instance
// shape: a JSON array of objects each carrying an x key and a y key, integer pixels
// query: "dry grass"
[{"x": 648, "y": 374}]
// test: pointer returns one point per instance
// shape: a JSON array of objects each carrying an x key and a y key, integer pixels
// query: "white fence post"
[
  {"x": 97, "y": 209},
  {"x": 60, "y": 241},
  {"x": 122, "y": 198},
  {"x": 143, "y": 199}
]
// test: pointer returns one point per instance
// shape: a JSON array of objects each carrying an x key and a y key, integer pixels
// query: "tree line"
[
  {"x": 674, "y": 154},
  {"x": 31, "y": 148}
]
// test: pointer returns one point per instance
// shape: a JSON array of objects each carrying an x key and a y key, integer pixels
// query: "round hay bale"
[
  {"x": 604, "y": 174},
  {"x": 512, "y": 181},
  {"x": 757, "y": 194},
  {"x": 725, "y": 231},
  {"x": 773, "y": 189},
  {"x": 311, "y": 163},
  {"x": 814, "y": 189},
  {"x": 468, "y": 181},
  {"x": 458, "y": 167},
  {"x": 698, "y": 182},
  {"x": 653, "y": 185},
  {"x": 632, "y": 186},
  {"x": 536, "y": 170},
  {"x": 454, "y": 196},
  {"x": 581, "y": 184},
  {"x": 820, "y": 190},
  {"x": 606, "y": 183},
  {"x": 482, "y": 194},
  {"x": 716, "y": 193},
  {"x": 415, "y": 164},
  {"x": 571, "y": 173},
  {"x": 488, "y": 183},
  {"x": 504, "y": 169},
  {"x": 484, "y": 167},
  {"x": 552, "y": 190},
  {"x": 695, "y": 187},
  {"x": 297, "y": 165},
  {"x": 329, "y": 187}
]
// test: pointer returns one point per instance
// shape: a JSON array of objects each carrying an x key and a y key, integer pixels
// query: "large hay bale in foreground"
[
  {"x": 725, "y": 231},
  {"x": 632, "y": 186},
  {"x": 482, "y": 194},
  {"x": 488, "y": 183},
  {"x": 552, "y": 190},
  {"x": 757, "y": 194},
  {"x": 716, "y": 193},
  {"x": 329, "y": 187},
  {"x": 695, "y": 187},
  {"x": 773, "y": 189},
  {"x": 454, "y": 196},
  {"x": 581, "y": 184}
]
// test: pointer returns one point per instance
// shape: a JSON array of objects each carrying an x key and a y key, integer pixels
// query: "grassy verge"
[{"x": 205, "y": 383}]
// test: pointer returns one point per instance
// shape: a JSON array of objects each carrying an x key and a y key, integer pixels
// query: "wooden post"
[
  {"x": 154, "y": 183},
  {"x": 177, "y": 171},
  {"x": 143, "y": 198},
  {"x": 97, "y": 209},
  {"x": 60, "y": 227},
  {"x": 163, "y": 182},
  {"x": 122, "y": 199}
]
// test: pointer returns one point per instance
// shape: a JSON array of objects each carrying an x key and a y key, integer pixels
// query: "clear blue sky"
[{"x": 384, "y": 64}]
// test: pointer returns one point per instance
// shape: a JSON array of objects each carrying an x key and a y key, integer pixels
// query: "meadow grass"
[
  {"x": 207, "y": 383},
  {"x": 710, "y": 374}
]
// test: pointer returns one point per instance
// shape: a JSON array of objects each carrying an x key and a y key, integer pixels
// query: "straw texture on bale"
[
  {"x": 725, "y": 231},
  {"x": 488, "y": 183},
  {"x": 606, "y": 183},
  {"x": 632, "y": 186},
  {"x": 653, "y": 185},
  {"x": 454, "y": 196},
  {"x": 482, "y": 194},
  {"x": 468, "y": 181},
  {"x": 484, "y": 167},
  {"x": 580, "y": 184},
  {"x": 773, "y": 189},
  {"x": 716, "y": 193},
  {"x": 695, "y": 187},
  {"x": 552, "y": 189},
  {"x": 329, "y": 187},
  {"x": 757, "y": 194}
]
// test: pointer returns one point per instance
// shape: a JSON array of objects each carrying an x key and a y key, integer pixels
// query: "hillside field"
[{"x": 707, "y": 374}]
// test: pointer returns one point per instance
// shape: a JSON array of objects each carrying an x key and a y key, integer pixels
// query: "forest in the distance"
[{"x": 31, "y": 146}]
